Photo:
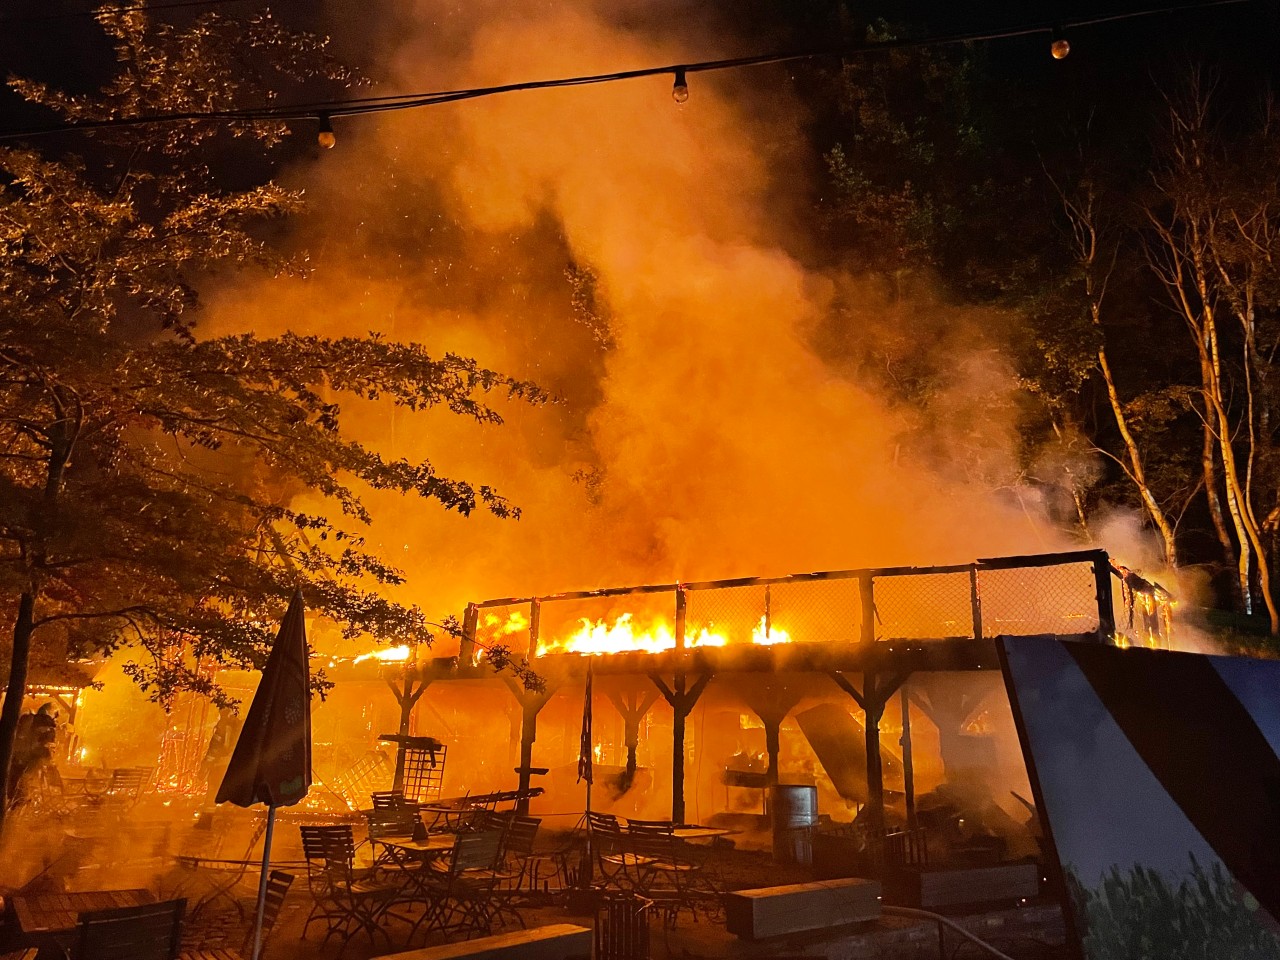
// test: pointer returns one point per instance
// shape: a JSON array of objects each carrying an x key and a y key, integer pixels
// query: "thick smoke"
[{"x": 703, "y": 433}]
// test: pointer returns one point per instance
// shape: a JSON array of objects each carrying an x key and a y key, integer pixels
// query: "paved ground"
[{"x": 1026, "y": 933}]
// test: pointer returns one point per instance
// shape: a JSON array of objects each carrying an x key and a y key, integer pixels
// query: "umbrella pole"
[{"x": 262, "y": 883}]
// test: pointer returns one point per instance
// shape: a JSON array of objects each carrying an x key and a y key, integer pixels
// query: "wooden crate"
[{"x": 773, "y": 911}]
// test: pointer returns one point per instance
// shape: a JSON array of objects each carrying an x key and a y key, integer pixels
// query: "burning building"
[{"x": 873, "y": 686}]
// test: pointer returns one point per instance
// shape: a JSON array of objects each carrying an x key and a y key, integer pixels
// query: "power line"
[
  {"x": 134, "y": 8},
  {"x": 357, "y": 106}
]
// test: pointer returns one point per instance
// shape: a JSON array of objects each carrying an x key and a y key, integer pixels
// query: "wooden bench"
[
  {"x": 556, "y": 941},
  {"x": 773, "y": 911},
  {"x": 933, "y": 887}
]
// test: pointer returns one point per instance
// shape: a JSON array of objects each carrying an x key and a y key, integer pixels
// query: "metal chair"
[
  {"x": 150, "y": 932},
  {"x": 208, "y": 940},
  {"x": 316, "y": 840},
  {"x": 463, "y": 888},
  {"x": 675, "y": 875},
  {"x": 615, "y": 853},
  {"x": 356, "y": 904},
  {"x": 658, "y": 827}
]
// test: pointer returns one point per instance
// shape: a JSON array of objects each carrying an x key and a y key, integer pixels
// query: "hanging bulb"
[
  {"x": 680, "y": 89},
  {"x": 326, "y": 137},
  {"x": 1060, "y": 46}
]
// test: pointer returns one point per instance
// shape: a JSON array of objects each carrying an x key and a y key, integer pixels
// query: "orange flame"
[
  {"x": 623, "y": 636},
  {"x": 386, "y": 655}
]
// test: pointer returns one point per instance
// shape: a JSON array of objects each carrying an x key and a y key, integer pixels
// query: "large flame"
[
  {"x": 386, "y": 655},
  {"x": 624, "y": 636}
]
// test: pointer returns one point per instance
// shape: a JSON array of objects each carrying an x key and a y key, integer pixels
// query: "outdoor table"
[
  {"x": 695, "y": 832},
  {"x": 48, "y": 919},
  {"x": 403, "y": 853}
]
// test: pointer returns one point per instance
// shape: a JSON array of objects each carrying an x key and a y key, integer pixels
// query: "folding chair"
[
  {"x": 356, "y": 904},
  {"x": 208, "y": 941},
  {"x": 315, "y": 842},
  {"x": 150, "y": 932},
  {"x": 464, "y": 887}
]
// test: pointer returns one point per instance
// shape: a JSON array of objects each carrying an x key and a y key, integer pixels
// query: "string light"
[
  {"x": 366, "y": 105},
  {"x": 680, "y": 89},
  {"x": 1060, "y": 46},
  {"x": 326, "y": 137}
]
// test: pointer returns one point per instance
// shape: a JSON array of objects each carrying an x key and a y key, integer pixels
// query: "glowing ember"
[{"x": 386, "y": 655}]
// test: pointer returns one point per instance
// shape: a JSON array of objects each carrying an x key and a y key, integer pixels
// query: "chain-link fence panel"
[
  {"x": 507, "y": 625},
  {"x": 923, "y": 606},
  {"x": 719, "y": 616},
  {"x": 816, "y": 611},
  {"x": 1024, "y": 601}
]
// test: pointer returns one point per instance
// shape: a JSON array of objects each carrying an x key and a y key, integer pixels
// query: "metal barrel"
[{"x": 794, "y": 812}]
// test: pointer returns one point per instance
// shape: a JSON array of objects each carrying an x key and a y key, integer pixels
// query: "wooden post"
[
  {"x": 531, "y": 704},
  {"x": 908, "y": 768},
  {"x": 872, "y": 699},
  {"x": 975, "y": 602},
  {"x": 682, "y": 701},
  {"x": 681, "y": 605},
  {"x": 872, "y": 712},
  {"x": 632, "y": 710},
  {"x": 677, "y": 753},
  {"x": 535, "y": 626},
  {"x": 866, "y": 594},
  {"x": 1106, "y": 608},
  {"x": 772, "y": 726},
  {"x": 407, "y": 698},
  {"x": 771, "y": 700},
  {"x": 467, "y": 645}
]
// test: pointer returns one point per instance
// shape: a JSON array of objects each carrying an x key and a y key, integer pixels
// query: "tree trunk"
[
  {"x": 1210, "y": 467},
  {"x": 13, "y": 696},
  {"x": 1136, "y": 472}
]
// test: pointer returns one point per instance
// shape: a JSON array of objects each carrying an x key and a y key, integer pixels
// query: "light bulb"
[
  {"x": 326, "y": 137},
  {"x": 680, "y": 89},
  {"x": 1060, "y": 47}
]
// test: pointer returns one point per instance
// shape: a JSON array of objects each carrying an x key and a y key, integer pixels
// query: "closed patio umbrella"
[{"x": 271, "y": 763}]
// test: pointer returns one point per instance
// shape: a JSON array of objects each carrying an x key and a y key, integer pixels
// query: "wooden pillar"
[
  {"x": 772, "y": 700},
  {"x": 407, "y": 696},
  {"x": 682, "y": 700},
  {"x": 632, "y": 709},
  {"x": 872, "y": 699},
  {"x": 1106, "y": 608},
  {"x": 975, "y": 602},
  {"x": 531, "y": 704},
  {"x": 872, "y": 712},
  {"x": 908, "y": 767},
  {"x": 772, "y": 726},
  {"x": 867, "y": 600},
  {"x": 467, "y": 645}
]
